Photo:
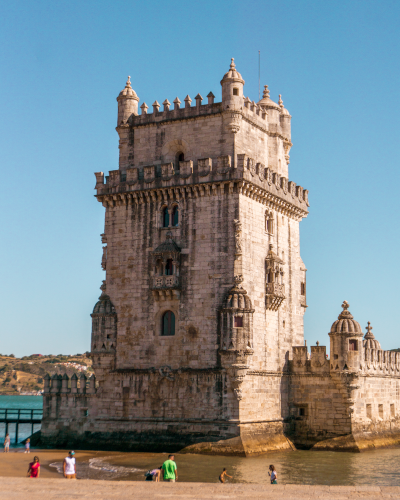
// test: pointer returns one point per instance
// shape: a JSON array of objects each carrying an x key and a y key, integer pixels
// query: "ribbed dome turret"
[
  {"x": 104, "y": 305},
  {"x": 232, "y": 74},
  {"x": 266, "y": 102},
  {"x": 345, "y": 323},
  {"x": 128, "y": 90},
  {"x": 237, "y": 298},
  {"x": 370, "y": 341}
]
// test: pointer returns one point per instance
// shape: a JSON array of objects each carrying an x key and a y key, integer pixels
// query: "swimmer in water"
[{"x": 222, "y": 476}]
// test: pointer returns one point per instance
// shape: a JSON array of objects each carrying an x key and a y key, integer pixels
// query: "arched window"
[
  {"x": 179, "y": 157},
  {"x": 269, "y": 223},
  {"x": 175, "y": 216},
  {"x": 168, "y": 324},
  {"x": 159, "y": 267},
  {"x": 169, "y": 268},
  {"x": 165, "y": 217}
]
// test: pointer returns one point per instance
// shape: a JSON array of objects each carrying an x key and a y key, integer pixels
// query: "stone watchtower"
[{"x": 205, "y": 288}]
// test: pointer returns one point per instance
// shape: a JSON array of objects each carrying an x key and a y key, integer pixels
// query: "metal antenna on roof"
[{"x": 259, "y": 66}]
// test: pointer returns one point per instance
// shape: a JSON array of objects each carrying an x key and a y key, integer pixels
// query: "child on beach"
[
  {"x": 273, "y": 475},
  {"x": 7, "y": 443},
  {"x": 222, "y": 476},
  {"x": 27, "y": 446}
]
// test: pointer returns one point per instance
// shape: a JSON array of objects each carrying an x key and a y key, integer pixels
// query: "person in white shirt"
[{"x": 69, "y": 466}]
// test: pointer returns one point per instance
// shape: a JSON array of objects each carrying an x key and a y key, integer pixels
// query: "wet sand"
[
  {"x": 16, "y": 488},
  {"x": 16, "y": 462}
]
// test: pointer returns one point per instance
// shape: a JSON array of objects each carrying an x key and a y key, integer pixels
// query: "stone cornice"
[{"x": 243, "y": 187}]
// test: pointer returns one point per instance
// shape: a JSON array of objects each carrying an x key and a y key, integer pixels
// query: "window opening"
[
  {"x": 168, "y": 324},
  {"x": 169, "y": 268},
  {"x": 303, "y": 288},
  {"x": 235, "y": 91},
  {"x": 380, "y": 408},
  {"x": 302, "y": 412},
  {"x": 392, "y": 411},
  {"x": 353, "y": 345},
  {"x": 165, "y": 217},
  {"x": 175, "y": 216},
  {"x": 369, "y": 411},
  {"x": 238, "y": 321}
]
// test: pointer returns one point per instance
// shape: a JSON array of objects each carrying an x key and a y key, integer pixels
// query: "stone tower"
[{"x": 205, "y": 288}]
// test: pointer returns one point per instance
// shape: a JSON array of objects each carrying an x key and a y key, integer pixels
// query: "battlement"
[
  {"x": 381, "y": 362},
  {"x": 200, "y": 177},
  {"x": 303, "y": 362},
  {"x": 64, "y": 385},
  {"x": 250, "y": 110}
]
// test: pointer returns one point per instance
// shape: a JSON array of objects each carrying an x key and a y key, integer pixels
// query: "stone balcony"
[
  {"x": 165, "y": 287},
  {"x": 275, "y": 294}
]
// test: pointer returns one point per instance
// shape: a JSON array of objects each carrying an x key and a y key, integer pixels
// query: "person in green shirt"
[{"x": 170, "y": 470}]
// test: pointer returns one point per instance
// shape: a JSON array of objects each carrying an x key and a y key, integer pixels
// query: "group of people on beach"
[{"x": 168, "y": 470}]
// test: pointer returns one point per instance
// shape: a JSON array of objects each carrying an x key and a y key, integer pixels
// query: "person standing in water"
[
  {"x": 7, "y": 443},
  {"x": 222, "y": 476},
  {"x": 34, "y": 468},
  {"x": 69, "y": 466},
  {"x": 170, "y": 470},
  {"x": 273, "y": 475}
]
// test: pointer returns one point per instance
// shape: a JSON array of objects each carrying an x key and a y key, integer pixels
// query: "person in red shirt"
[{"x": 34, "y": 468}]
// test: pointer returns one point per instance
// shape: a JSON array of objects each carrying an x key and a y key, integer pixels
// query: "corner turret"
[
  {"x": 232, "y": 88},
  {"x": 346, "y": 342},
  {"x": 128, "y": 103}
]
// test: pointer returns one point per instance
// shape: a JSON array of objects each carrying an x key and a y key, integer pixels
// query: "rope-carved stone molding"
[{"x": 165, "y": 195}]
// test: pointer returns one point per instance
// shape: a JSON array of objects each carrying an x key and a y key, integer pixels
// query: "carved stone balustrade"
[
  {"x": 164, "y": 287},
  {"x": 275, "y": 294}
]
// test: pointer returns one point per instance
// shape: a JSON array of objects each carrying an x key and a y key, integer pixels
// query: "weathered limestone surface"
[
  {"x": 16, "y": 488},
  {"x": 197, "y": 338}
]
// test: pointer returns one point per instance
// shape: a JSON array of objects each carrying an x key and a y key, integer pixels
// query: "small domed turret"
[
  {"x": 346, "y": 345},
  {"x": 266, "y": 102},
  {"x": 345, "y": 323},
  {"x": 370, "y": 341},
  {"x": 284, "y": 111},
  {"x": 104, "y": 324},
  {"x": 232, "y": 88},
  {"x": 127, "y": 103}
]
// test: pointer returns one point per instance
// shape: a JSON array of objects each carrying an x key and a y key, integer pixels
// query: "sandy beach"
[
  {"x": 16, "y": 462},
  {"x": 16, "y": 488}
]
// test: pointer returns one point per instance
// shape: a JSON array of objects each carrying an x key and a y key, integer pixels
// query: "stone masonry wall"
[
  {"x": 274, "y": 331},
  {"x": 206, "y": 273}
]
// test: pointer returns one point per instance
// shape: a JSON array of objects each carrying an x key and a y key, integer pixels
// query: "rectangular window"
[
  {"x": 238, "y": 321},
  {"x": 302, "y": 412},
  {"x": 392, "y": 410},
  {"x": 353, "y": 345},
  {"x": 380, "y": 409},
  {"x": 303, "y": 289},
  {"x": 369, "y": 411}
]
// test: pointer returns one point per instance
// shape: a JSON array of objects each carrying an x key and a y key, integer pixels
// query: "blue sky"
[{"x": 64, "y": 63}]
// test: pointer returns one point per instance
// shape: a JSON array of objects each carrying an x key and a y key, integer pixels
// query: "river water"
[
  {"x": 20, "y": 402},
  {"x": 376, "y": 467}
]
